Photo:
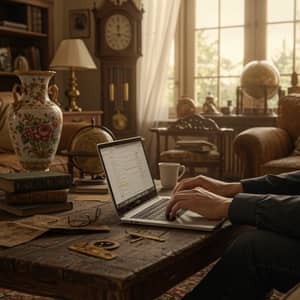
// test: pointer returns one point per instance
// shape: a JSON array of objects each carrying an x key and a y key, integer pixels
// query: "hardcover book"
[
  {"x": 34, "y": 181},
  {"x": 24, "y": 210},
  {"x": 33, "y": 197},
  {"x": 90, "y": 189}
]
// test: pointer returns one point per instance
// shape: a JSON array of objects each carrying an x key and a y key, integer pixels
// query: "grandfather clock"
[{"x": 118, "y": 46}]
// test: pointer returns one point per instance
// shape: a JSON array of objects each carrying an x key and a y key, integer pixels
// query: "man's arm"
[
  {"x": 277, "y": 213},
  {"x": 283, "y": 184}
]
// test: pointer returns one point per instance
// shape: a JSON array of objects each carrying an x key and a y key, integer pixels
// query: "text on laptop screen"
[{"x": 128, "y": 172}]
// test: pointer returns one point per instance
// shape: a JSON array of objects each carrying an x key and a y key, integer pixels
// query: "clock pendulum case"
[{"x": 118, "y": 46}]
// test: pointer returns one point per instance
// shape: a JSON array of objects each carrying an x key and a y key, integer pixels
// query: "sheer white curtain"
[{"x": 159, "y": 23}]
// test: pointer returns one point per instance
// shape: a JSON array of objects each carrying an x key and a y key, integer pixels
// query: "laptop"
[{"x": 133, "y": 190}]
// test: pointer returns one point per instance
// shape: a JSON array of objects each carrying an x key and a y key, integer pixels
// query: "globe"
[
  {"x": 260, "y": 79},
  {"x": 84, "y": 149}
]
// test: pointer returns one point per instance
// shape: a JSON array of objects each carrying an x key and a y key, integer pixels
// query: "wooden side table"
[{"x": 83, "y": 116}]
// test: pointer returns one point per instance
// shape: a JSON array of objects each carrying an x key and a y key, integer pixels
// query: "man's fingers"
[
  {"x": 175, "y": 208},
  {"x": 183, "y": 185},
  {"x": 180, "y": 196}
]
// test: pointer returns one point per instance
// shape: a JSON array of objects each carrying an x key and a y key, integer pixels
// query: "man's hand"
[
  {"x": 222, "y": 188},
  {"x": 199, "y": 200}
]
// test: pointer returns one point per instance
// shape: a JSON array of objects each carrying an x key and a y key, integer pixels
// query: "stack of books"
[
  {"x": 29, "y": 193},
  {"x": 12, "y": 24}
]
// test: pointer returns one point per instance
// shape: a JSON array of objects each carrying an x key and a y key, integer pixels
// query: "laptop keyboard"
[{"x": 157, "y": 211}]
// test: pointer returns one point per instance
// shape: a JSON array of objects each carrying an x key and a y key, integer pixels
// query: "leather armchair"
[{"x": 270, "y": 150}]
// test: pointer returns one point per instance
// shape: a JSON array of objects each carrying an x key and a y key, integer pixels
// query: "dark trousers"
[{"x": 253, "y": 264}]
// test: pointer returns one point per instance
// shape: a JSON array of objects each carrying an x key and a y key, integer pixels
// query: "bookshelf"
[{"x": 26, "y": 29}]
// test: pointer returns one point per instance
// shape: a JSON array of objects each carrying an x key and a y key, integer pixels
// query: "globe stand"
[{"x": 240, "y": 97}]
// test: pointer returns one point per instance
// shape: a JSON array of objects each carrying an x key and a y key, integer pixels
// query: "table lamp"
[{"x": 72, "y": 54}]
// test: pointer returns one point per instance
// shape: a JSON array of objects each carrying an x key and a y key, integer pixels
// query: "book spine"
[
  {"x": 34, "y": 18},
  {"x": 35, "y": 209},
  {"x": 53, "y": 196},
  {"x": 39, "y": 19},
  {"x": 29, "y": 17},
  {"x": 36, "y": 184}
]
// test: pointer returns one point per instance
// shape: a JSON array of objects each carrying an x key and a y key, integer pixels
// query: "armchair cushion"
[
  {"x": 281, "y": 165},
  {"x": 10, "y": 163},
  {"x": 259, "y": 145}
]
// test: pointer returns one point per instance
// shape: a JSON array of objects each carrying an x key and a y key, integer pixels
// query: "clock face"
[{"x": 118, "y": 32}]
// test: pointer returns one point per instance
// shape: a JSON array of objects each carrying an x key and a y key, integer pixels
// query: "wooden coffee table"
[{"x": 142, "y": 270}]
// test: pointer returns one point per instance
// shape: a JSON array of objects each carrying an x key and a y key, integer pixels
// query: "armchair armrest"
[
  {"x": 68, "y": 131},
  {"x": 258, "y": 145}
]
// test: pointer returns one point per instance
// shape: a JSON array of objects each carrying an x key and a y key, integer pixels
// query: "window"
[
  {"x": 216, "y": 38},
  {"x": 171, "y": 87},
  {"x": 283, "y": 37},
  {"x": 219, "y": 48}
]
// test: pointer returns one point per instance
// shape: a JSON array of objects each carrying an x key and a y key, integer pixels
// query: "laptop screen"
[{"x": 127, "y": 171}]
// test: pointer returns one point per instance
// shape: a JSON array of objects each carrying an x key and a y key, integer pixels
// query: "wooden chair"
[{"x": 190, "y": 148}]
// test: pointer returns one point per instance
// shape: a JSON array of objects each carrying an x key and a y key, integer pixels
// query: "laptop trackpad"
[{"x": 192, "y": 218}]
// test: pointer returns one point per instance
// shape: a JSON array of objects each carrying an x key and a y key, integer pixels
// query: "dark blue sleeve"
[
  {"x": 277, "y": 213},
  {"x": 283, "y": 184}
]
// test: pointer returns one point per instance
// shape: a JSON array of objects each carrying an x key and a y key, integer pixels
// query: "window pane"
[
  {"x": 232, "y": 12},
  {"x": 298, "y": 10},
  {"x": 206, "y": 52},
  {"x": 279, "y": 10},
  {"x": 228, "y": 90},
  {"x": 280, "y": 46},
  {"x": 171, "y": 69},
  {"x": 232, "y": 51},
  {"x": 203, "y": 87},
  {"x": 171, "y": 93},
  {"x": 206, "y": 13},
  {"x": 298, "y": 47}
]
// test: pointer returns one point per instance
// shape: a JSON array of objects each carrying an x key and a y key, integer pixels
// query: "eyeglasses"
[{"x": 84, "y": 219}]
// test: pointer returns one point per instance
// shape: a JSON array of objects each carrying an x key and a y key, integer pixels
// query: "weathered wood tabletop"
[{"x": 142, "y": 270}]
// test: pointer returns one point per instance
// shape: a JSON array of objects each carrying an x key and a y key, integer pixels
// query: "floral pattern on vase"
[{"x": 35, "y": 120}]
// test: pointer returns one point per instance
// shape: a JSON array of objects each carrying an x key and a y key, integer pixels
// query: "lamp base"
[
  {"x": 73, "y": 106},
  {"x": 73, "y": 93}
]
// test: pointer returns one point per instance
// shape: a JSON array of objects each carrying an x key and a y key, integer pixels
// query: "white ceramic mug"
[{"x": 170, "y": 173}]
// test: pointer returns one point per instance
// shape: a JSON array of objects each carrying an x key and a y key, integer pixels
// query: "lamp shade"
[{"x": 72, "y": 53}]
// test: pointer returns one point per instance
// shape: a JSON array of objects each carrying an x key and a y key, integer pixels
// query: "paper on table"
[
  {"x": 59, "y": 222},
  {"x": 18, "y": 232},
  {"x": 13, "y": 234}
]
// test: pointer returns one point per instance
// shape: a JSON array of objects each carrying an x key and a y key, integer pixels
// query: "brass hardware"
[
  {"x": 138, "y": 236},
  {"x": 98, "y": 248},
  {"x": 126, "y": 91},
  {"x": 111, "y": 92},
  {"x": 119, "y": 121},
  {"x": 53, "y": 93},
  {"x": 73, "y": 93}
]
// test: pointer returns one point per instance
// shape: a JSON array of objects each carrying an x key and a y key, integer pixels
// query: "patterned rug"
[{"x": 175, "y": 293}]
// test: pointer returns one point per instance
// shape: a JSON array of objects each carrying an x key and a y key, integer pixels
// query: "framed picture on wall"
[
  {"x": 80, "y": 26},
  {"x": 5, "y": 59}
]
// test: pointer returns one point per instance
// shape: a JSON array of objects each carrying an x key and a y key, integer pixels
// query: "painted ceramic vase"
[{"x": 35, "y": 120}]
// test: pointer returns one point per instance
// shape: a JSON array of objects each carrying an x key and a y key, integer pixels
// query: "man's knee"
[{"x": 244, "y": 246}]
